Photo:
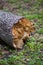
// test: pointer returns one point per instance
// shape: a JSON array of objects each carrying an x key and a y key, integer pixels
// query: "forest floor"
[{"x": 32, "y": 53}]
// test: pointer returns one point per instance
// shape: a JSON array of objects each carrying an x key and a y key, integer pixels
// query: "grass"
[
  {"x": 40, "y": 31},
  {"x": 31, "y": 54},
  {"x": 11, "y": 1}
]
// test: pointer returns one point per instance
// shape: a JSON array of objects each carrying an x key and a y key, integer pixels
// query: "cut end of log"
[{"x": 21, "y": 31}]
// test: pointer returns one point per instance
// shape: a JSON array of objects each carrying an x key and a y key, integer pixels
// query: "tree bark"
[{"x": 7, "y": 20}]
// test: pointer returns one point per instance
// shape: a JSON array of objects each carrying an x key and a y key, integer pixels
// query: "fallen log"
[{"x": 14, "y": 29}]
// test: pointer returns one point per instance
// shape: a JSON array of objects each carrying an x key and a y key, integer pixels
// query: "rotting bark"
[{"x": 14, "y": 29}]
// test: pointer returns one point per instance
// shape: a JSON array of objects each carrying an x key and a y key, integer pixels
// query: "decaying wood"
[{"x": 14, "y": 29}]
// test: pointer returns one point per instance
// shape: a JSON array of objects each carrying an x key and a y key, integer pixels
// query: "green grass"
[
  {"x": 40, "y": 31},
  {"x": 34, "y": 56},
  {"x": 12, "y": 1}
]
